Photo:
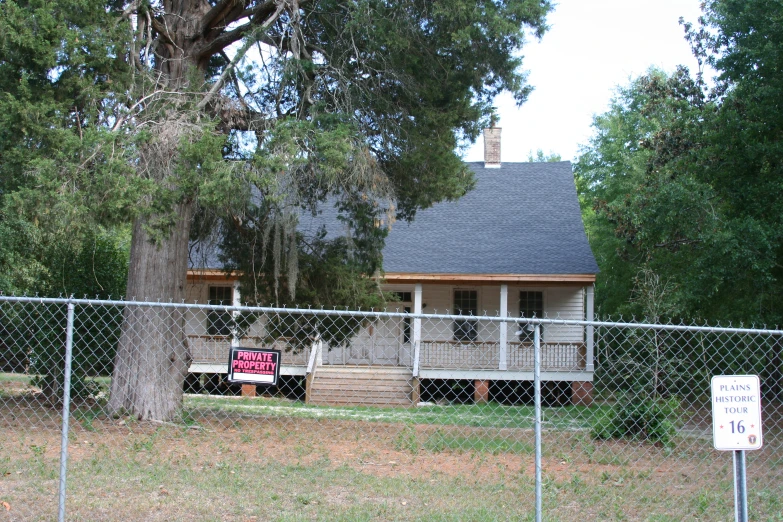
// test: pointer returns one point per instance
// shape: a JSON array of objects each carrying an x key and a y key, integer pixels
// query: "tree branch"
[
  {"x": 677, "y": 243},
  {"x": 121, "y": 119},
  {"x": 224, "y": 13},
  {"x": 258, "y": 15},
  {"x": 161, "y": 30},
  {"x": 241, "y": 52},
  {"x": 235, "y": 83},
  {"x": 232, "y": 115},
  {"x": 128, "y": 11},
  {"x": 224, "y": 40}
]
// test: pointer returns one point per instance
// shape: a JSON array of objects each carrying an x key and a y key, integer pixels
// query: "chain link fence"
[{"x": 376, "y": 415}]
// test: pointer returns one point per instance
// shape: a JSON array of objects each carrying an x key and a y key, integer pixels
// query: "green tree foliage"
[
  {"x": 341, "y": 99},
  {"x": 618, "y": 186},
  {"x": 94, "y": 267},
  {"x": 19, "y": 268},
  {"x": 687, "y": 182},
  {"x": 61, "y": 169},
  {"x": 540, "y": 156},
  {"x": 328, "y": 272},
  {"x": 741, "y": 157},
  {"x": 33, "y": 336},
  {"x": 62, "y": 76},
  {"x": 149, "y": 111},
  {"x": 681, "y": 185},
  {"x": 61, "y": 172}
]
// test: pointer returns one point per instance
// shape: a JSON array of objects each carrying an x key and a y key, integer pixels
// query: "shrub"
[
  {"x": 639, "y": 419},
  {"x": 82, "y": 389}
]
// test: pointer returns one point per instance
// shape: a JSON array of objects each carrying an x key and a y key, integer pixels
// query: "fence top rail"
[{"x": 384, "y": 314}]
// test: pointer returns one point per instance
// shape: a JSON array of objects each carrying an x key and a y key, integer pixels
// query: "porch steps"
[{"x": 362, "y": 386}]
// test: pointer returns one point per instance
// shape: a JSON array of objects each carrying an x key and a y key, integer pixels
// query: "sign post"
[{"x": 736, "y": 426}]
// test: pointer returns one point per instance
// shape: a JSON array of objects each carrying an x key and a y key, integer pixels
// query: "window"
[
  {"x": 465, "y": 303},
  {"x": 218, "y": 321},
  {"x": 406, "y": 327},
  {"x": 531, "y": 304},
  {"x": 402, "y": 297}
]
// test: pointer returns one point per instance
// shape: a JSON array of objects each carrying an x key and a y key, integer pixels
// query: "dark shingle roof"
[{"x": 521, "y": 218}]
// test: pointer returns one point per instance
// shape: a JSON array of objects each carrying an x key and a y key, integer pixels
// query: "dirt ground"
[{"x": 587, "y": 479}]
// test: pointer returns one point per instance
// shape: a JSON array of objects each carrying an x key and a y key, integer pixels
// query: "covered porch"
[
  {"x": 210, "y": 355},
  {"x": 421, "y": 344},
  {"x": 339, "y": 383}
]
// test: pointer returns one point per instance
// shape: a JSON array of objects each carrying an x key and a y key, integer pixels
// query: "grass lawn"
[
  {"x": 243, "y": 459},
  {"x": 14, "y": 377},
  {"x": 264, "y": 468},
  {"x": 490, "y": 415}
]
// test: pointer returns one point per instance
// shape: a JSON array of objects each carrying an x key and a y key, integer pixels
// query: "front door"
[
  {"x": 360, "y": 350},
  {"x": 386, "y": 342},
  {"x": 377, "y": 344}
]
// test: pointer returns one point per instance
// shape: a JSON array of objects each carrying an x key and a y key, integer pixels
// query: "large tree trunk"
[{"x": 152, "y": 356}]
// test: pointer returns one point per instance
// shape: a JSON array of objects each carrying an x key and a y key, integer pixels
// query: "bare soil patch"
[{"x": 233, "y": 467}]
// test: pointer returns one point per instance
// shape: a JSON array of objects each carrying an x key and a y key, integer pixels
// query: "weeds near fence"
[
  {"x": 257, "y": 466},
  {"x": 641, "y": 451},
  {"x": 639, "y": 419}
]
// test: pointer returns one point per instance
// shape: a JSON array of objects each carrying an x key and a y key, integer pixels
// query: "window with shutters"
[
  {"x": 465, "y": 303},
  {"x": 219, "y": 321},
  {"x": 531, "y": 304}
]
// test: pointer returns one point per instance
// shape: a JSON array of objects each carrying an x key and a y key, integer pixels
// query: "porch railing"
[
  {"x": 436, "y": 355},
  {"x": 214, "y": 349},
  {"x": 454, "y": 355}
]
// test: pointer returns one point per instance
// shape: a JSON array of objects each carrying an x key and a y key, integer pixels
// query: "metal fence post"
[
  {"x": 740, "y": 487},
  {"x": 537, "y": 392},
  {"x": 66, "y": 411}
]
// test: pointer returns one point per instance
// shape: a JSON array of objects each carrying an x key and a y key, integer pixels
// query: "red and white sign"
[
  {"x": 253, "y": 365},
  {"x": 736, "y": 412}
]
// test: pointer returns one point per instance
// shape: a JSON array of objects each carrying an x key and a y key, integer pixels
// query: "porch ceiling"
[{"x": 210, "y": 274}]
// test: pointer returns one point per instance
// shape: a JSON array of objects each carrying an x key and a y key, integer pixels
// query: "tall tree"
[
  {"x": 619, "y": 181},
  {"x": 61, "y": 77},
  {"x": 343, "y": 98},
  {"x": 685, "y": 181}
]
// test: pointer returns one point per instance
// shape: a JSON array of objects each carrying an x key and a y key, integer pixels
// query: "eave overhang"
[
  {"x": 215, "y": 275},
  {"x": 491, "y": 279}
]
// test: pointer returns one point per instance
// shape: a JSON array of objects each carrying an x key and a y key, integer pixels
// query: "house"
[{"x": 515, "y": 246}]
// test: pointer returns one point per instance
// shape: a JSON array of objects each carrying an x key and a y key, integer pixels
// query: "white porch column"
[
  {"x": 236, "y": 301},
  {"x": 503, "y": 328},
  {"x": 417, "y": 305},
  {"x": 589, "y": 316}
]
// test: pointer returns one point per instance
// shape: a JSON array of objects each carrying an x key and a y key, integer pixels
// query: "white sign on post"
[{"x": 736, "y": 412}]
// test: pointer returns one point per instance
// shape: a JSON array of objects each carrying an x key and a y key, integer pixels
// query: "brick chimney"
[{"x": 492, "y": 148}]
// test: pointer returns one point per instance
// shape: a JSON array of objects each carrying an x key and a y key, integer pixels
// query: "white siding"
[
  {"x": 568, "y": 304},
  {"x": 378, "y": 341},
  {"x": 196, "y": 320}
]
